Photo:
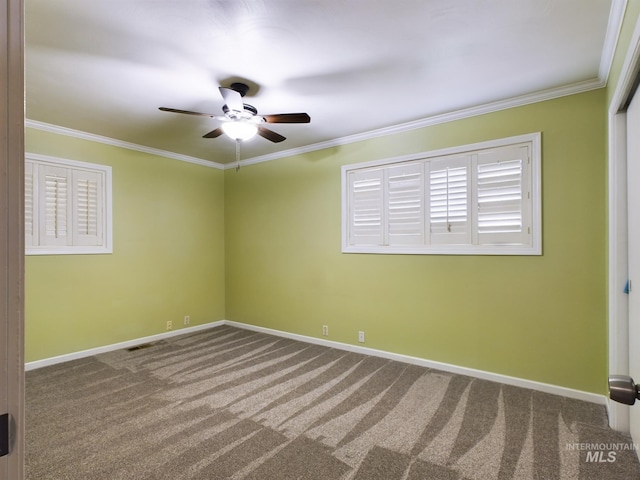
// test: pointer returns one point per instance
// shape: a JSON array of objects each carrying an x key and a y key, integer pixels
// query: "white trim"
[
  {"x": 614, "y": 26},
  {"x": 118, "y": 346},
  {"x": 519, "y": 101},
  {"x": 630, "y": 68},
  {"x": 447, "y": 367},
  {"x": 453, "y": 249},
  {"x": 534, "y": 137},
  {"x": 118, "y": 143},
  {"x": 616, "y": 17},
  {"x": 107, "y": 247},
  {"x": 618, "y": 272},
  {"x": 617, "y": 213},
  {"x": 64, "y": 161},
  {"x": 522, "y": 100}
]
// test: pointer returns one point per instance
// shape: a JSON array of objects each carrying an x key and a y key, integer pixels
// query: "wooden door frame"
[
  {"x": 11, "y": 230},
  {"x": 618, "y": 233}
]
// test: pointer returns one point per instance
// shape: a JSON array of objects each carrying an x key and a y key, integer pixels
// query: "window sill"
[{"x": 445, "y": 250}]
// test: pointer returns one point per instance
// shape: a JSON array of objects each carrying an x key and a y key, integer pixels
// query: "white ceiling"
[{"x": 105, "y": 66}]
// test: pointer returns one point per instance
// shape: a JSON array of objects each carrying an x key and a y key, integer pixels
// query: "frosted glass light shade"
[{"x": 239, "y": 130}]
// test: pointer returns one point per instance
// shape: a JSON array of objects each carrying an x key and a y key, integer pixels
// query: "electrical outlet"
[
  {"x": 325, "y": 330},
  {"x": 169, "y": 325},
  {"x": 361, "y": 337},
  {"x": 186, "y": 319}
]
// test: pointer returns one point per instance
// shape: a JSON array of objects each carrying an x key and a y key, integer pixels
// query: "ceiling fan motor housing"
[
  {"x": 244, "y": 116},
  {"x": 241, "y": 88}
]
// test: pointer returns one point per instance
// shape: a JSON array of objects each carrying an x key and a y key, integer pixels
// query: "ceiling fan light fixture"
[{"x": 239, "y": 130}]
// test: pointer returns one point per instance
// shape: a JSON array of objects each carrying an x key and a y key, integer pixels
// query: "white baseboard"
[
  {"x": 118, "y": 346},
  {"x": 494, "y": 377}
]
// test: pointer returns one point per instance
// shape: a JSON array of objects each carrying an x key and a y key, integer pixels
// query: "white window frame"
[
  {"x": 422, "y": 244},
  {"x": 73, "y": 172}
]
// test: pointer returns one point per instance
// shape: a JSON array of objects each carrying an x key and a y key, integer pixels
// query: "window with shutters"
[
  {"x": 479, "y": 199},
  {"x": 67, "y": 207}
]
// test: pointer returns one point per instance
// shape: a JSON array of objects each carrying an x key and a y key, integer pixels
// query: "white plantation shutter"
[
  {"x": 55, "y": 205},
  {"x": 450, "y": 195},
  {"x": 477, "y": 199},
  {"x": 88, "y": 211},
  {"x": 30, "y": 204},
  {"x": 502, "y": 199},
  {"x": 405, "y": 204},
  {"x": 365, "y": 207},
  {"x": 67, "y": 206}
]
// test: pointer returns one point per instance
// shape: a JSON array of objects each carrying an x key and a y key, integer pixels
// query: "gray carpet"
[{"x": 228, "y": 403}]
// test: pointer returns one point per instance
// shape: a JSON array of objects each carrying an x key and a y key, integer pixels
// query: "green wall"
[
  {"x": 541, "y": 318},
  {"x": 262, "y": 246},
  {"x": 167, "y": 261}
]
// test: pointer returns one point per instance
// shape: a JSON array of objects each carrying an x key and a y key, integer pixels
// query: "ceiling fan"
[{"x": 241, "y": 120}]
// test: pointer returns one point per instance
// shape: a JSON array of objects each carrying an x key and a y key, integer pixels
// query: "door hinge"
[{"x": 4, "y": 435}]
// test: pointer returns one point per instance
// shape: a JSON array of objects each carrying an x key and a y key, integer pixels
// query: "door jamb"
[
  {"x": 12, "y": 231},
  {"x": 618, "y": 234}
]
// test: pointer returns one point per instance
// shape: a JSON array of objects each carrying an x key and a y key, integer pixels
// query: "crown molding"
[
  {"x": 47, "y": 127},
  {"x": 522, "y": 100},
  {"x": 616, "y": 17},
  {"x": 614, "y": 27}
]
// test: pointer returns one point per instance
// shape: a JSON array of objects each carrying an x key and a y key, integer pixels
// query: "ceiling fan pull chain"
[{"x": 238, "y": 154}]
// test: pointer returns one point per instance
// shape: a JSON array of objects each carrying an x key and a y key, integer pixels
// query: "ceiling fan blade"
[
  {"x": 213, "y": 133},
  {"x": 270, "y": 135},
  {"x": 232, "y": 98},
  {"x": 287, "y": 118},
  {"x": 188, "y": 112}
]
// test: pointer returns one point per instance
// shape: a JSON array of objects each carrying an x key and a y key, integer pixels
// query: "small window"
[
  {"x": 479, "y": 199},
  {"x": 67, "y": 207}
]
